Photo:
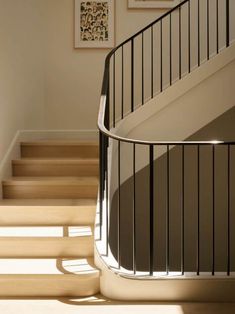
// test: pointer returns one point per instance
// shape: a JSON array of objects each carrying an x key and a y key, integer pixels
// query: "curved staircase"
[
  {"x": 165, "y": 207},
  {"x": 46, "y": 224}
]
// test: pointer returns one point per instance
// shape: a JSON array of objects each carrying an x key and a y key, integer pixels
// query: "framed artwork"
[
  {"x": 152, "y": 3},
  {"x": 94, "y": 24}
]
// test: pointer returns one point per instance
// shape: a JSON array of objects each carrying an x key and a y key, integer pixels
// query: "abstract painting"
[{"x": 94, "y": 24}]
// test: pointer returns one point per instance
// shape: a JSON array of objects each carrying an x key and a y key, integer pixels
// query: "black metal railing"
[{"x": 135, "y": 71}]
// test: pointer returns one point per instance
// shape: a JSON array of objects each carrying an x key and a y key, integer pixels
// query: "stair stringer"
[{"x": 128, "y": 127}]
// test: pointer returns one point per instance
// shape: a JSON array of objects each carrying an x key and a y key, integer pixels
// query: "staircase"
[
  {"x": 47, "y": 218},
  {"x": 166, "y": 204}
]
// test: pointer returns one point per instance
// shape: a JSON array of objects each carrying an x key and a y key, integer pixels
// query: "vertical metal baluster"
[
  {"x": 122, "y": 109},
  {"x": 119, "y": 204},
  {"x": 208, "y": 30},
  {"x": 182, "y": 213},
  {"x": 217, "y": 26},
  {"x": 198, "y": 210},
  {"x": 107, "y": 111},
  {"x": 228, "y": 222},
  {"x": 180, "y": 55},
  {"x": 114, "y": 90},
  {"x": 101, "y": 169},
  {"x": 161, "y": 71},
  {"x": 151, "y": 208},
  {"x": 189, "y": 37},
  {"x": 168, "y": 213},
  {"x": 107, "y": 200},
  {"x": 170, "y": 30},
  {"x": 199, "y": 46},
  {"x": 213, "y": 211},
  {"x": 227, "y": 24},
  {"x": 151, "y": 61},
  {"x": 132, "y": 75},
  {"x": 134, "y": 208},
  {"x": 142, "y": 44}
]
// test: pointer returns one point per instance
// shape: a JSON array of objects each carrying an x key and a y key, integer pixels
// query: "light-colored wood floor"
[{"x": 100, "y": 305}]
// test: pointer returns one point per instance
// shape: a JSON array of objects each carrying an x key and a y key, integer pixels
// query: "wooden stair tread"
[
  {"x": 24, "y": 203},
  {"x": 60, "y": 143},
  {"x": 52, "y": 181},
  {"x": 79, "y": 267},
  {"x": 47, "y": 212},
  {"x": 46, "y": 232},
  {"x": 53, "y": 161},
  {"x": 39, "y": 244}
]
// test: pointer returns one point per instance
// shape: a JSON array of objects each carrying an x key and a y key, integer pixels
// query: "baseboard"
[{"x": 13, "y": 151}]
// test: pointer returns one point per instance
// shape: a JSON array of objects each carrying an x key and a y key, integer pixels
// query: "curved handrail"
[{"x": 108, "y": 133}]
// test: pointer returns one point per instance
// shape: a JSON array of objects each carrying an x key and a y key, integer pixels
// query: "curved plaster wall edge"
[{"x": 201, "y": 289}]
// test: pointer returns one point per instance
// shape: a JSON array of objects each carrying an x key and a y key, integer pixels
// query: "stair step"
[
  {"x": 46, "y": 221},
  {"x": 48, "y": 266},
  {"x": 59, "y": 149},
  {"x": 46, "y": 242},
  {"x": 50, "y": 187},
  {"x": 51, "y": 212},
  {"x": 61, "y": 231},
  {"x": 55, "y": 167},
  {"x": 48, "y": 277}
]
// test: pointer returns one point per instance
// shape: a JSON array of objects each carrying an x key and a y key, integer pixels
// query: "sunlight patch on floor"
[
  {"x": 100, "y": 305},
  {"x": 49, "y": 306}
]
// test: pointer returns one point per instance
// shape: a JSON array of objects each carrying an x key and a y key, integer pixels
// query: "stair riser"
[
  {"x": 47, "y": 286},
  {"x": 48, "y": 192},
  {"x": 47, "y": 216},
  {"x": 37, "y": 170},
  {"x": 17, "y": 247},
  {"x": 67, "y": 151}
]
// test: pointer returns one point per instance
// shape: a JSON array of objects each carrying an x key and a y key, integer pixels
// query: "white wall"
[
  {"x": 74, "y": 77},
  {"x": 22, "y": 68}
]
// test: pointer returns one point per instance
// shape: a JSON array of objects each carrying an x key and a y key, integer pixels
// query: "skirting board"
[{"x": 13, "y": 151}]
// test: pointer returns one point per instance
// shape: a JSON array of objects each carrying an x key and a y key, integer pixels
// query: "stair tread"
[
  {"x": 48, "y": 202},
  {"x": 45, "y": 232},
  {"x": 88, "y": 180},
  {"x": 50, "y": 266},
  {"x": 60, "y": 143},
  {"x": 53, "y": 161}
]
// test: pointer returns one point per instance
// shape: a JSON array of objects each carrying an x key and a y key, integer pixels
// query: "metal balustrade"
[{"x": 126, "y": 74}]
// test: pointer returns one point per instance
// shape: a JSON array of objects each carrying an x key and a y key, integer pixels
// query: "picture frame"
[
  {"x": 148, "y": 4},
  {"x": 94, "y": 24}
]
